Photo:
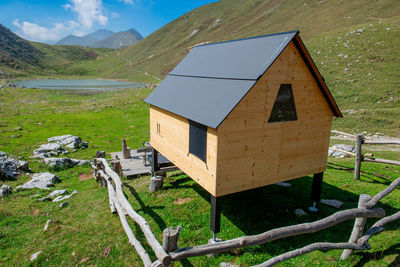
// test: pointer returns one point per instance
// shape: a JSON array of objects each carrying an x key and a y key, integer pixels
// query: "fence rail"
[{"x": 165, "y": 256}]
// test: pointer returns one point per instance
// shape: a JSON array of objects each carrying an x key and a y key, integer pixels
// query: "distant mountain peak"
[{"x": 103, "y": 38}]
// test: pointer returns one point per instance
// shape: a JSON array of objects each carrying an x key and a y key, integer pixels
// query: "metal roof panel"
[
  {"x": 238, "y": 59},
  {"x": 204, "y": 100}
]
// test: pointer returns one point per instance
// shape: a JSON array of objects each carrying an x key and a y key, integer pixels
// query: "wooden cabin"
[{"x": 243, "y": 114}]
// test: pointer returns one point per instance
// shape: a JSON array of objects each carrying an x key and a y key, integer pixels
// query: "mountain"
[
  {"x": 353, "y": 43},
  {"x": 103, "y": 39},
  {"x": 86, "y": 40},
  {"x": 20, "y": 57},
  {"x": 120, "y": 39},
  {"x": 15, "y": 52}
]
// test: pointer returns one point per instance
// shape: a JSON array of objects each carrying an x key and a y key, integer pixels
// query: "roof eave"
[{"x": 317, "y": 75}]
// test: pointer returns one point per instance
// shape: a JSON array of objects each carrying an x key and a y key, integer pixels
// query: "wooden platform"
[{"x": 136, "y": 165}]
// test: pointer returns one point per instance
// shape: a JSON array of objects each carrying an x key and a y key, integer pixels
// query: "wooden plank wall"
[
  {"x": 173, "y": 143},
  {"x": 253, "y": 152}
]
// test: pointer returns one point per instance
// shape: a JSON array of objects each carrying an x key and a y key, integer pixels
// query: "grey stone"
[
  {"x": 44, "y": 199},
  {"x": 47, "y": 147},
  {"x": 64, "y": 162},
  {"x": 65, "y": 152},
  {"x": 80, "y": 161},
  {"x": 228, "y": 264},
  {"x": 284, "y": 184},
  {"x": 11, "y": 167},
  {"x": 57, "y": 193},
  {"x": 61, "y": 198},
  {"x": 41, "y": 180},
  {"x": 338, "y": 154},
  {"x": 332, "y": 202},
  {"x": 5, "y": 190},
  {"x": 64, "y": 204},
  {"x": 47, "y": 225},
  {"x": 3, "y": 154},
  {"x": 35, "y": 256},
  {"x": 68, "y": 140},
  {"x": 300, "y": 212}
]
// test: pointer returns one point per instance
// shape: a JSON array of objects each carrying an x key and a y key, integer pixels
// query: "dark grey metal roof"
[
  {"x": 212, "y": 79},
  {"x": 203, "y": 100}
]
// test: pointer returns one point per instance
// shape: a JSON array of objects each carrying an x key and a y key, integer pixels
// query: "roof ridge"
[
  {"x": 210, "y": 77},
  {"x": 249, "y": 38}
]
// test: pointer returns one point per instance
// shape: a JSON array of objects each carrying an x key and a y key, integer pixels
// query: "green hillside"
[
  {"x": 354, "y": 43},
  {"x": 21, "y": 57}
]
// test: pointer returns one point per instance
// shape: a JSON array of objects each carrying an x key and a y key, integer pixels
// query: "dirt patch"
[
  {"x": 181, "y": 201},
  {"x": 85, "y": 177},
  {"x": 36, "y": 213}
]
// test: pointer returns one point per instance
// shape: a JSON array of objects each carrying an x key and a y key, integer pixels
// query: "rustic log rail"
[{"x": 165, "y": 257}]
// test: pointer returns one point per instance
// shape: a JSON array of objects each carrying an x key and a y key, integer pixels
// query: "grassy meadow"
[{"x": 86, "y": 233}]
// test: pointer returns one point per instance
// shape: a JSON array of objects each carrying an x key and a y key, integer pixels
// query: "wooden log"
[
  {"x": 359, "y": 225},
  {"x": 383, "y": 193},
  {"x": 310, "y": 248},
  {"x": 126, "y": 152},
  {"x": 342, "y": 150},
  {"x": 276, "y": 234},
  {"x": 170, "y": 238},
  {"x": 124, "y": 203},
  {"x": 131, "y": 236},
  {"x": 382, "y": 142},
  {"x": 343, "y": 133},
  {"x": 116, "y": 166},
  {"x": 156, "y": 183},
  {"x": 100, "y": 154},
  {"x": 384, "y": 161},
  {"x": 110, "y": 188},
  {"x": 377, "y": 228},
  {"x": 357, "y": 166}
]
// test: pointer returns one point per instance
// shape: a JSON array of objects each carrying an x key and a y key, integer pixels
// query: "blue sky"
[{"x": 49, "y": 21}]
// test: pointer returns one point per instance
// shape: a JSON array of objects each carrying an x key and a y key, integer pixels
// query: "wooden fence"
[
  {"x": 359, "y": 157},
  {"x": 167, "y": 253}
]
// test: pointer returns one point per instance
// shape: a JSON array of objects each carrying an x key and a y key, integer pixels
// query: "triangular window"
[{"x": 284, "y": 108}]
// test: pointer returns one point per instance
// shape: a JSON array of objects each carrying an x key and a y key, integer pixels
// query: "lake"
[{"x": 77, "y": 84}]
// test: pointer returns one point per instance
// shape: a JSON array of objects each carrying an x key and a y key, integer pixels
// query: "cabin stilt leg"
[
  {"x": 154, "y": 162},
  {"x": 215, "y": 219},
  {"x": 316, "y": 191}
]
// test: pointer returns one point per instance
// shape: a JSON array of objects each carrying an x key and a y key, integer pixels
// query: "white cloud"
[
  {"x": 128, "y": 2},
  {"x": 114, "y": 15},
  {"x": 89, "y": 13},
  {"x": 38, "y": 33}
]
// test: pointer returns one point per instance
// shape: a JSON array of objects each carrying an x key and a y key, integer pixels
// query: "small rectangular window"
[{"x": 198, "y": 140}]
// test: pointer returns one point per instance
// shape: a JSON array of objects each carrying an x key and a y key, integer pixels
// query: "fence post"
[
  {"x": 357, "y": 166},
  {"x": 359, "y": 225},
  {"x": 170, "y": 240}
]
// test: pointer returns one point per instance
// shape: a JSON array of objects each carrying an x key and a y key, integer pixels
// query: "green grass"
[{"x": 85, "y": 228}]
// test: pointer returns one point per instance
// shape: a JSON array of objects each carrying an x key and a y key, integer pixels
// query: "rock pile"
[
  {"x": 5, "y": 190},
  {"x": 64, "y": 162},
  {"x": 338, "y": 154},
  {"x": 43, "y": 180},
  {"x": 57, "y": 145},
  {"x": 10, "y": 167}
]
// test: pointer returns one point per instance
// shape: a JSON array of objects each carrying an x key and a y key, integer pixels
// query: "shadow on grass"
[
  {"x": 262, "y": 209},
  {"x": 147, "y": 209},
  {"x": 372, "y": 176},
  {"x": 368, "y": 256}
]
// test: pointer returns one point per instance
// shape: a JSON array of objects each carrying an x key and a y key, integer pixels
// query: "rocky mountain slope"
[{"x": 104, "y": 39}]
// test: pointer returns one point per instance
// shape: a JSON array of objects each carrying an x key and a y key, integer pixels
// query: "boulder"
[
  {"x": 64, "y": 162},
  {"x": 57, "y": 193},
  {"x": 64, "y": 204},
  {"x": 332, "y": 202},
  {"x": 61, "y": 198},
  {"x": 35, "y": 256},
  {"x": 68, "y": 140},
  {"x": 5, "y": 190},
  {"x": 300, "y": 212},
  {"x": 338, "y": 154},
  {"x": 41, "y": 180},
  {"x": 10, "y": 167}
]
